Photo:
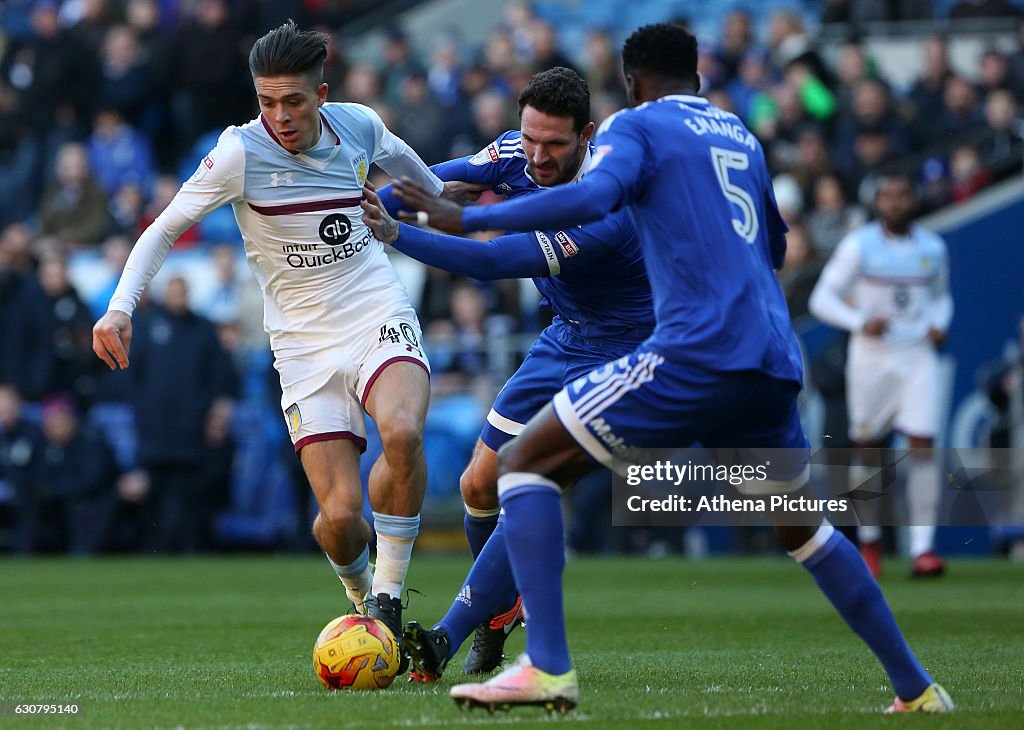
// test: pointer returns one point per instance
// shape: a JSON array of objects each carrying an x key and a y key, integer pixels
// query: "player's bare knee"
[
  {"x": 477, "y": 489},
  {"x": 402, "y": 437},
  {"x": 337, "y": 518}
]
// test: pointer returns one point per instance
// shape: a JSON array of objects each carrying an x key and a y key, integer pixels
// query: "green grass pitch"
[{"x": 725, "y": 643}]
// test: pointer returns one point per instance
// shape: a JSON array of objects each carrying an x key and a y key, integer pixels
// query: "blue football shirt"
[{"x": 601, "y": 287}]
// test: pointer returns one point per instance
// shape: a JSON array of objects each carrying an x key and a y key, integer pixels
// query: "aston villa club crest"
[
  {"x": 360, "y": 166},
  {"x": 294, "y": 418}
]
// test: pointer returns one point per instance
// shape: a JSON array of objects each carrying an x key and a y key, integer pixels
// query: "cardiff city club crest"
[{"x": 360, "y": 166}]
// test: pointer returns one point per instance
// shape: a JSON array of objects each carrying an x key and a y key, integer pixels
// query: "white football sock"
[
  {"x": 923, "y": 498},
  {"x": 867, "y": 510},
  {"x": 395, "y": 538},
  {"x": 357, "y": 577}
]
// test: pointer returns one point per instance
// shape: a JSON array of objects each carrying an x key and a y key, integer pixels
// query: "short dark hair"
[
  {"x": 560, "y": 92},
  {"x": 663, "y": 49},
  {"x": 287, "y": 51},
  {"x": 896, "y": 175}
]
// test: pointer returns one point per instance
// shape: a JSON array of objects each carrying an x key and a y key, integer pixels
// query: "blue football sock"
[
  {"x": 478, "y": 529},
  {"x": 536, "y": 549},
  {"x": 489, "y": 589},
  {"x": 842, "y": 576}
]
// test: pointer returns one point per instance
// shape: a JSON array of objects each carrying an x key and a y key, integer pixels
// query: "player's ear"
[
  {"x": 321, "y": 94},
  {"x": 587, "y": 132}
]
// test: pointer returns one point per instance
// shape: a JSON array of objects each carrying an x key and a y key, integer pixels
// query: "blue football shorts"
[
  {"x": 647, "y": 400},
  {"x": 557, "y": 358}
]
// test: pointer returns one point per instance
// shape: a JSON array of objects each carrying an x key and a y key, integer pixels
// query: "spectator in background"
[
  {"x": 832, "y": 216},
  {"x": 419, "y": 119},
  {"x": 51, "y": 332},
  {"x": 799, "y": 272},
  {"x": 155, "y": 49},
  {"x": 126, "y": 208},
  {"x": 871, "y": 154},
  {"x": 115, "y": 255},
  {"x": 872, "y": 110},
  {"x": 164, "y": 190},
  {"x": 362, "y": 86},
  {"x": 68, "y": 501},
  {"x": 853, "y": 65},
  {"x": 602, "y": 67},
  {"x": 737, "y": 41},
  {"x": 74, "y": 208},
  {"x": 783, "y": 127},
  {"x": 1016, "y": 64},
  {"x": 749, "y": 91},
  {"x": 789, "y": 43},
  {"x": 125, "y": 82},
  {"x": 812, "y": 160},
  {"x": 993, "y": 72},
  {"x": 54, "y": 73},
  {"x": 966, "y": 173},
  {"x": 235, "y": 302},
  {"x": 490, "y": 118},
  {"x": 444, "y": 72},
  {"x": 16, "y": 254},
  {"x": 1001, "y": 146},
  {"x": 399, "y": 65},
  {"x": 210, "y": 79},
  {"x": 119, "y": 154},
  {"x": 789, "y": 198},
  {"x": 546, "y": 53},
  {"x": 12, "y": 281},
  {"x": 519, "y": 17},
  {"x": 21, "y": 449},
  {"x": 498, "y": 55},
  {"x": 875, "y": 11},
  {"x": 927, "y": 93},
  {"x": 983, "y": 9},
  {"x": 179, "y": 371},
  {"x": 19, "y": 151},
  {"x": 960, "y": 114},
  {"x": 336, "y": 64},
  {"x": 458, "y": 346}
]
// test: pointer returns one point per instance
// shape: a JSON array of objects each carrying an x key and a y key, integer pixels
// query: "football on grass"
[{"x": 357, "y": 653}]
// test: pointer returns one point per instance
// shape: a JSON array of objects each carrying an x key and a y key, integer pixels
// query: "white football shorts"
[
  {"x": 324, "y": 387},
  {"x": 892, "y": 388}
]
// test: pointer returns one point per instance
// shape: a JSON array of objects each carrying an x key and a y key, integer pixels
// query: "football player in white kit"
[
  {"x": 344, "y": 335},
  {"x": 888, "y": 284}
]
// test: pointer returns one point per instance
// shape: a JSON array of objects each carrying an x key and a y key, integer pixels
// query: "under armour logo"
[{"x": 277, "y": 178}]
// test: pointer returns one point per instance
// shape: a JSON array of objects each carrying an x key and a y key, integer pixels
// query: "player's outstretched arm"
[
  {"x": 462, "y": 184},
  {"x": 512, "y": 256},
  {"x": 112, "y": 339},
  {"x": 567, "y": 205}
]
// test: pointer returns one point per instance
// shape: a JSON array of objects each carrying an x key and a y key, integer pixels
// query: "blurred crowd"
[{"x": 105, "y": 105}]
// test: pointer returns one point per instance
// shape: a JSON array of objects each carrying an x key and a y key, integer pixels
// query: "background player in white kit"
[
  {"x": 344, "y": 335},
  {"x": 888, "y": 284}
]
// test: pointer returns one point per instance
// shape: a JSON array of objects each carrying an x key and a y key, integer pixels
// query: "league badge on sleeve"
[
  {"x": 204, "y": 167},
  {"x": 486, "y": 156}
]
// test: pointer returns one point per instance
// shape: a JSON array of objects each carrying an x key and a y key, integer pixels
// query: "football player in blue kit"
[
  {"x": 722, "y": 366},
  {"x": 594, "y": 280}
]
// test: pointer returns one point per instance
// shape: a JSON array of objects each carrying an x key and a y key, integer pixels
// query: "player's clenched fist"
[
  {"x": 376, "y": 217},
  {"x": 112, "y": 338}
]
